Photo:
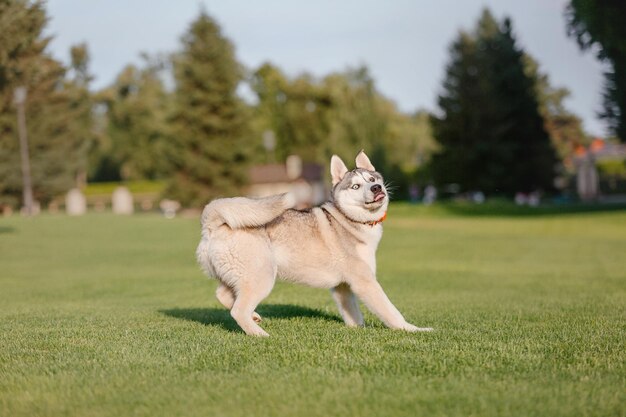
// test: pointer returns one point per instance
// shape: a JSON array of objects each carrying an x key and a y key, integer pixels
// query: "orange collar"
[{"x": 374, "y": 223}]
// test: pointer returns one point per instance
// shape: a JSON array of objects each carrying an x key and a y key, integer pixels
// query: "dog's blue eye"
[{"x": 355, "y": 186}]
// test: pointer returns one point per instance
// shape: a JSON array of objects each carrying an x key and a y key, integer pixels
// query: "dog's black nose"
[{"x": 376, "y": 188}]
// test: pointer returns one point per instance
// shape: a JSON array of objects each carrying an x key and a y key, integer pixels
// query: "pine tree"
[
  {"x": 599, "y": 24},
  {"x": 57, "y": 108},
  {"x": 492, "y": 134},
  {"x": 459, "y": 128},
  {"x": 209, "y": 145},
  {"x": 20, "y": 25}
]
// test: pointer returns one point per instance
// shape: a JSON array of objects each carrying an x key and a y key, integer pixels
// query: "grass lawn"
[{"x": 109, "y": 316}]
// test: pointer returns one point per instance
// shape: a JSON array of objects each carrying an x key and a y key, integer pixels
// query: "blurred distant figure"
[
  {"x": 586, "y": 177},
  {"x": 478, "y": 197},
  {"x": 122, "y": 201},
  {"x": 169, "y": 208},
  {"x": 430, "y": 194},
  {"x": 75, "y": 203},
  {"x": 531, "y": 199},
  {"x": 534, "y": 199},
  {"x": 414, "y": 193}
]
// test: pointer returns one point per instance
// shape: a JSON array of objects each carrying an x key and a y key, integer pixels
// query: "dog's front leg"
[
  {"x": 348, "y": 305},
  {"x": 371, "y": 293}
]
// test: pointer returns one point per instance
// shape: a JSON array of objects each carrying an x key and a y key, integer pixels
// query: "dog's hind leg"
[
  {"x": 249, "y": 295},
  {"x": 348, "y": 305},
  {"x": 226, "y": 296},
  {"x": 244, "y": 262}
]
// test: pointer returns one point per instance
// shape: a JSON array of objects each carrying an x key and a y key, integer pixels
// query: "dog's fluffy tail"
[{"x": 241, "y": 212}]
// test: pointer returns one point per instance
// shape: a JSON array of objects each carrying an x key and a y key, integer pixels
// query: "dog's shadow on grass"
[{"x": 221, "y": 316}]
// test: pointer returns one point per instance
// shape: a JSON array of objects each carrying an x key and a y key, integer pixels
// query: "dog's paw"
[
  {"x": 425, "y": 329},
  {"x": 411, "y": 328},
  {"x": 258, "y": 333}
]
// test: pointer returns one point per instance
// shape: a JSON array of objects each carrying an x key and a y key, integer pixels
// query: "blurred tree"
[
  {"x": 564, "y": 128},
  {"x": 295, "y": 111},
  {"x": 600, "y": 24},
  {"x": 20, "y": 25},
  {"x": 360, "y": 116},
  {"x": 398, "y": 143},
  {"x": 457, "y": 129},
  {"x": 57, "y": 107},
  {"x": 209, "y": 145},
  {"x": 137, "y": 127},
  {"x": 80, "y": 124},
  {"x": 416, "y": 143},
  {"x": 340, "y": 114},
  {"x": 491, "y": 132},
  {"x": 409, "y": 145}
]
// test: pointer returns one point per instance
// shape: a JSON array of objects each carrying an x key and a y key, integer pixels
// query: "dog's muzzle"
[{"x": 378, "y": 192}]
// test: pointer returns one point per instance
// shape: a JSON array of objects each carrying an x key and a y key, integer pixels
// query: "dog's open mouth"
[{"x": 377, "y": 198}]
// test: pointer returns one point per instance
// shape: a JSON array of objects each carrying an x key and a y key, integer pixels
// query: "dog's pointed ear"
[
  {"x": 362, "y": 161},
  {"x": 337, "y": 169}
]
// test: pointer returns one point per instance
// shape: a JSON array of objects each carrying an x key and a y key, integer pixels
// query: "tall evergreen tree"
[
  {"x": 57, "y": 109},
  {"x": 491, "y": 132},
  {"x": 20, "y": 25},
  {"x": 209, "y": 144},
  {"x": 600, "y": 24}
]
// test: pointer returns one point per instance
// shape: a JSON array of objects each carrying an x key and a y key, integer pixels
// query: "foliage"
[
  {"x": 20, "y": 25},
  {"x": 360, "y": 117},
  {"x": 528, "y": 322},
  {"x": 497, "y": 110},
  {"x": 564, "y": 128},
  {"x": 410, "y": 142},
  {"x": 79, "y": 122},
  {"x": 491, "y": 132},
  {"x": 58, "y": 109},
  {"x": 339, "y": 114},
  {"x": 210, "y": 143},
  {"x": 295, "y": 111},
  {"x": 135, "y": 187},
  {"x": 599, "y": 25},
  {"x": 405, "y": 150},
  {"x": 612, "y": 168},
  {"x": 137, "y": 132}
]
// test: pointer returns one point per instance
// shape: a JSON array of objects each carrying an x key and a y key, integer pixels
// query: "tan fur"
[{"x": 247, "y": 243}]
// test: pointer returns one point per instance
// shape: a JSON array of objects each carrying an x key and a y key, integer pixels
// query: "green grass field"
[{"x": 109, "y": 316}]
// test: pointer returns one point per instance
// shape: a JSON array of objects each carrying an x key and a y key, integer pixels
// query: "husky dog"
[{"x": 246, "y": 243}]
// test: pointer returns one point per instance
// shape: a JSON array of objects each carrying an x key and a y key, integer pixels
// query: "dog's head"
[{"x": 360, "y": 194}]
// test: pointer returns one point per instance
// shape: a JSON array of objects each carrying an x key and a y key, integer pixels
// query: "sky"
[{"x": 404, "y": 43}]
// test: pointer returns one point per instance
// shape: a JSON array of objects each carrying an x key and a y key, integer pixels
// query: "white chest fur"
[{"x": 367, "y": 250}]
